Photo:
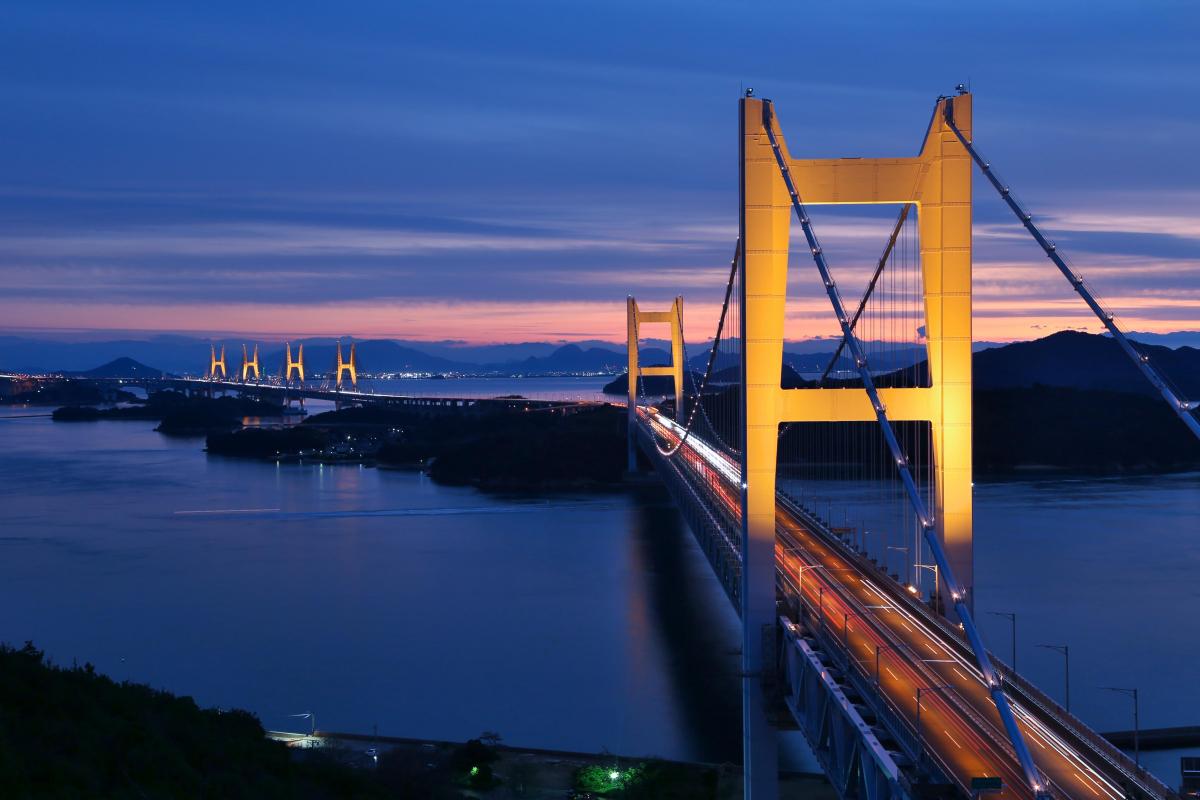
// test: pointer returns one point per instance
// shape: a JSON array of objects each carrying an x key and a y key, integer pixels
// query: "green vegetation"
[
  {"x": 660, "y": 780},
  {"x": 69, "y": 733}
]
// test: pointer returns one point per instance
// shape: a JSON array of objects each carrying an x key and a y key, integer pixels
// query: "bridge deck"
[
  {"x": 861, "y": 611},
  {"x": 308, "y": 391}
]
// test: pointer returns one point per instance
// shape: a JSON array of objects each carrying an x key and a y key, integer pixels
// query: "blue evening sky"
[{"x": 506, "y": 171}]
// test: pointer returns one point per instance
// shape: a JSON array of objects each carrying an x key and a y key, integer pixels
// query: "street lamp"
[
  {"x": 1066, "y": 653},
  {"x": 312, "y": 719},
  {"x": 800, "y": 576},
  {"x": 1012, "y": 617},
  {"x": 936, "y": 587},
  {"x": 907, "y": 571},
  {"x": 1134, "y": 694},
  {"x": 927, "y": 689}
]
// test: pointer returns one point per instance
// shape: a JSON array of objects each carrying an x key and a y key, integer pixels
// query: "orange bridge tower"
[
  {"x": 346, "y": 367},
  {"x": 215, "y": 363},
  {"x": 249, "y": 364},
  {"x": 297, "y": 365}
]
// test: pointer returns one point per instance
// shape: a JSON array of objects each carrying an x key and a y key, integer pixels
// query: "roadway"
[
  {"x": 867, "y": 613},
  {"x": 327, "y": 392}
]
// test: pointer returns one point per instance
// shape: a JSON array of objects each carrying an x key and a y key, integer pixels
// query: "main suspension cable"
[
  {"x": 1182, "y": 408},
  {"x": 712, "y": 357}
]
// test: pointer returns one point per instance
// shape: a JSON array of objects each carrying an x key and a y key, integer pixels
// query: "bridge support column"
[
  {"x": 765, "y": 210},
  {"x": 634, "y": 317}
]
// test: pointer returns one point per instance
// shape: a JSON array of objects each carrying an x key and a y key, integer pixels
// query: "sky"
[{"x": 497, "y": 172}]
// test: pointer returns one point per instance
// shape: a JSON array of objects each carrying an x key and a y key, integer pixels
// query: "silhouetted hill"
[
  {"x": 653, "y": 385},
  {"x": 662, "y": 384},
  {"x": 568, "y": 358},
  {"x": 1068, "y": 359},
  {"x": 1083, "y": 361},
  {"x": 122, "y": 369},
  {"x": 72, "y": 732},
  {"x": 373, "y": 356}
]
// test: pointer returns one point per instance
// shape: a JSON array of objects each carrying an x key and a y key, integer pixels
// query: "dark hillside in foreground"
[{"x": 75, "y": 733}]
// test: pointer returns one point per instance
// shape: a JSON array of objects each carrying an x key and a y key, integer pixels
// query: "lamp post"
[
  {"x": 1066, "y": 654},
  {"x": 907, "y": 571},
  {"x": 1137, "y": 758},
  {"x": 926, "y": 689},
  {"x": 1012, "y": 617},
  {"x": 800, "y": 576},
  {"x": 937, "y": 601},
  {"x": 312, "y": 719}
]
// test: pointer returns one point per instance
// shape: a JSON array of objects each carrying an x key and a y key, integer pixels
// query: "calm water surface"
[{"x": 375, "y": 597}]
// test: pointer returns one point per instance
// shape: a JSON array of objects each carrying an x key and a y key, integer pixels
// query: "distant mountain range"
[
  {"x": 122, "y": 369},
  {"x": 1084, "y": 361},
  {"x": 1067, "y": 358}
]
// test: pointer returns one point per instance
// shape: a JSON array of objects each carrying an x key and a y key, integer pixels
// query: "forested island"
[
  {"x": 536, "y": 450},
  {"x": 177, "y": 413}
]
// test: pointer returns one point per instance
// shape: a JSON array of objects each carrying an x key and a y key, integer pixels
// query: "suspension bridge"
[{"x": 837, "y": 511}]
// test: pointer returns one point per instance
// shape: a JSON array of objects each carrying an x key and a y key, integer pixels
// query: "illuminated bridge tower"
[
  {"x": 938, "y": 183},
  {"x": 634, "y": 318},
  {"x": 215, "y": 363},
  {"x": 249, "y": 364},
  {"x": 296, "y": 366},
  {"x": 346, "y": 367}
]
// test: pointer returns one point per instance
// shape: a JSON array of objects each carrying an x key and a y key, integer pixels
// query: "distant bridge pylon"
[
  {"x": 216, "y": 363},
  {"x": 249, "y": 364},
  {"x": 635, "y": 316},
  {"x": 346, "y": 367},
  {"x": 297, "y": 366}
]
